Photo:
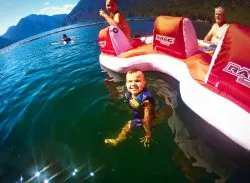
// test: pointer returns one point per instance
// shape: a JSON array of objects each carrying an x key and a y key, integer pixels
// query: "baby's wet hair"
[{"x": 133, "y": 70}]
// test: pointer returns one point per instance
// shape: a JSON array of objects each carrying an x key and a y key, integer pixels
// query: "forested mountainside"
[
  {"x": 236, "y": 10},
  {"x": 4, "y": 42},
  {"x": 32, "y": 25}
]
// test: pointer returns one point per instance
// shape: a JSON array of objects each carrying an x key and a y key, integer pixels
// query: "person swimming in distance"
[{"x": 66, "y": 39}]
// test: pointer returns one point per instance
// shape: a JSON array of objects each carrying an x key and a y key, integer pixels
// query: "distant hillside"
[
  {"x": 32, "y": 25},
  {"x": 237, "y": 10},
  {"x": 4, "y": 42},
  {"x": 84, "y": 10}
]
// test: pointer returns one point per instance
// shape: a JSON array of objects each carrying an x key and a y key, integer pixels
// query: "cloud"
[
  {"x": 53, "y": 10},
  {"x": 47, "y": 3}
]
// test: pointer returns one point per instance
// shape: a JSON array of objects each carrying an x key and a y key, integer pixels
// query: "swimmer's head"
[
  {"x": 112, "y": 6},
  {"x": 64, "y": 36},
  {"x": 135, "y": 81},
  {"x": 219, "y": 15}
]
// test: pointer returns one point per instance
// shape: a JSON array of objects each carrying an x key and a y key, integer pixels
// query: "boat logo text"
[
  {"x": 102, "y": 43},
  {"x": 242, "y": 73},
  {"x": 165, "y": 40}
]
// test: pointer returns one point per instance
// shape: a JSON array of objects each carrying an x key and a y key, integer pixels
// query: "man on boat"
[{"x": 219, "y": 28}]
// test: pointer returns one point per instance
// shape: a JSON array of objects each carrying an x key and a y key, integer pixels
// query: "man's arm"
[{"x": 209, "y": 35}]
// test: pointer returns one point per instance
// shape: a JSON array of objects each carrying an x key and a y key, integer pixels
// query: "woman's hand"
[{"x": 102, "y": 13}]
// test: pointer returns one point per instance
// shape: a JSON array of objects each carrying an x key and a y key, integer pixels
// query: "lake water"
[{"x": 57, "y": 105}]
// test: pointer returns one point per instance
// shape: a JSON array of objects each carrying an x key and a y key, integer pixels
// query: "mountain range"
[
  {"x": 29, "y": 26},
  {"x": 236, "y": 10},
  {"x": 84, "y": 10},
  {"x": 4, "y": 42}
]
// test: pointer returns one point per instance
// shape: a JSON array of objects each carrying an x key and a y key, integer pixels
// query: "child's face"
[
  {"x": 111, "y": 6},
  {"x": 135, "y": 82}
]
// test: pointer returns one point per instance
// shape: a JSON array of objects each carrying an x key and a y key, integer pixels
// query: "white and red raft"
[{"x": 215, "y": 86}]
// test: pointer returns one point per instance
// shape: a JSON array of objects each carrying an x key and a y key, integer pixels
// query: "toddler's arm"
[{"x": 147, "y": 121}]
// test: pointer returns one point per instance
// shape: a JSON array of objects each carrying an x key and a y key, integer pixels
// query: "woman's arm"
[{"x": 108, "y": 18}]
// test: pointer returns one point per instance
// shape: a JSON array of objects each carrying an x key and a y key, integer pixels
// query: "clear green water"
[{"x": 57, "y": 105}]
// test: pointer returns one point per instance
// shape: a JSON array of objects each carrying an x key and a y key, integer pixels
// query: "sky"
[{"x": 11, "y": 11}]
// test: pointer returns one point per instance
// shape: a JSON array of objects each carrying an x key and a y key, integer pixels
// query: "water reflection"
[{"x": 196, "y": 159}]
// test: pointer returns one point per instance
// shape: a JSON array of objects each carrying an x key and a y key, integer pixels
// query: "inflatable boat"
[{"x": 216, "y": 86}]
